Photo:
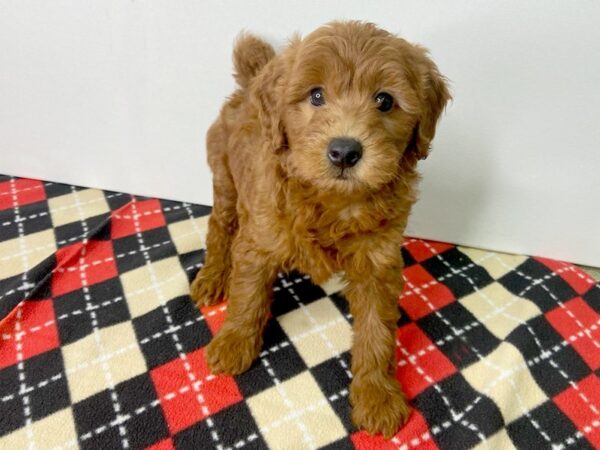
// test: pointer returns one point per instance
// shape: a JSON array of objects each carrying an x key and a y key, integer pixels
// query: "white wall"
[{"x": 118, "y": 94}]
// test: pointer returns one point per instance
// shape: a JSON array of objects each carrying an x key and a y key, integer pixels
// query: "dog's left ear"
[{"x": 434, "y": 96}]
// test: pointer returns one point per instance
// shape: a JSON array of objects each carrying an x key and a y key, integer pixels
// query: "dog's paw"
[
  {"x": 231, "y": 354},
  {"x": 208, "y": 288},
  {"x": 379, "y": 408}
]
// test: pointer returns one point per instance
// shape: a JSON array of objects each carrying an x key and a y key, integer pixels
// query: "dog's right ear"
[{"x": 267, "y": 96}]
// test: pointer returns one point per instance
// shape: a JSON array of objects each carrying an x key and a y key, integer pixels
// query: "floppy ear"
[
  {"x": 434, "y": 96},
  {"x": 267, "y": 95}
]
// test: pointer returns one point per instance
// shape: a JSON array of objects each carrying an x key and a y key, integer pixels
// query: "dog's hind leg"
[{"x": 211, "y": 283}]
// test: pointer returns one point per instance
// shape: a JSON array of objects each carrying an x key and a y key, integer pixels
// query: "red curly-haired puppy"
[{"x": 314, "y": 162}]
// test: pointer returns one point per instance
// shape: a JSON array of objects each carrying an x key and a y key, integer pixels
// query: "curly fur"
[{"x": 280, "y": 205}]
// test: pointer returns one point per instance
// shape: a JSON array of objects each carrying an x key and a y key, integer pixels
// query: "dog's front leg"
[
  {"x": 378, "y": 403},
  {"x": 237, "y": 344}
]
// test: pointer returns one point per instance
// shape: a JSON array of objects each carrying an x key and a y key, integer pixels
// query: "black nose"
[{"x": 344, "y": 152}]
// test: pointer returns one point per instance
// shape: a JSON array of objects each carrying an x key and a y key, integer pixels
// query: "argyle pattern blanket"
[{"x": 101, "y": 347}]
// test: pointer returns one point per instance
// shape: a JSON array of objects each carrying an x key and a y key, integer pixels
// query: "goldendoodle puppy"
[{"x": 314, "y": 162}]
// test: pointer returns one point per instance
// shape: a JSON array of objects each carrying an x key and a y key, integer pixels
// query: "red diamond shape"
[
  {"x": 165, "y": 444},
  {"x": 577, "y": 279},
  {"x": 572, "y": 403},
  {"x": 214, "y": 316},
  {"x": 425, "y": 364},
  {"x": 182, "y": 404},
  {"x": 421, "y": 250},
  {"x": 414, "y": 434},
  {"x": 571, "y": 321},
  {"x": 38, "y": 333},
  {"x": 98, "y": 265},
  {"x": 26, "y": 190},
  {"x": 137, "y": 216},
  {"x": 422, "y": 293}
]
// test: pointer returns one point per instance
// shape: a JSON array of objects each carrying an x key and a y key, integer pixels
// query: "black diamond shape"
[
  {"x": 116, "y": 200},
  {"x": 407, "y": 258},
  {"x": 32, "y": 218},
  {"x": 535, "y": 281},
  {"x": 191, "y": 262},
  {"x": 292, "y": 290},
  {"x": 404, "y": 318},
  {"x": 37, "y": 217},
  {"x": 156, "y": 336},
  {"x": 8, "y": 227},
  {"x": 157, "y": 245},
  {"x": 452, "y": 267},
  {"x": 547, "y": 370},
  {"x": 592, "y": 297},
  {"x": 335, "y": 384},
  {"x": 58, "y": 189},
  {"x": 106, "y": 302},
  {"x": 281, "y": 357},
  {"x": 178, "y": 211},
  {"x": 143, "y": 419},
  {"x": 458, "y": 334},
  {"x": 233, "y": 425},
  {"x": 341, "y": 304},
  {"x": 36, "y": 286},
  {"x": 42, "y": 274},
  {"x": 45, "y": 376},
  {"x": 147, "y": 424},
  {"x": 14, "y": 290},
  {"x": 551, "y": 421},
  {"x": 97, "y": 228},
  {"x": 484, "y": 416},
  {"x": 96, "y": 413},
  {"x": 11, "y": 403}
]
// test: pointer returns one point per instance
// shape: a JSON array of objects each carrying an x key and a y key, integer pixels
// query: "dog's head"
[{"x": 347, "y": 104}]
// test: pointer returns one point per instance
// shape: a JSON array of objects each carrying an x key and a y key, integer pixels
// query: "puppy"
[{"x": 314, "y": 168}]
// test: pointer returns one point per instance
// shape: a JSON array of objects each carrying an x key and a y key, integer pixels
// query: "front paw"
[
  {"x": 208, "y": 288},
  {"x": 230, "y": 353},
  {"x": 379, "y": 407}
]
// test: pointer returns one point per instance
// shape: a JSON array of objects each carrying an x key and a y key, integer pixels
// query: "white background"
[{"x": 118, "y": 94}]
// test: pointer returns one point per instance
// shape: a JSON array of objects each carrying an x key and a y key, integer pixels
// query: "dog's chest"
[
  {"x": 320, "y": 244},
  {"x": 314, "y": 259},
  {"x": 324, "y": 231}
]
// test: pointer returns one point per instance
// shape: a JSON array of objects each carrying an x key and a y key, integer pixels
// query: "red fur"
[{"x": 280, "y": 205}]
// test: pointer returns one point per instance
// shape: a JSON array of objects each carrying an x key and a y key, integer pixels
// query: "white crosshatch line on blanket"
[
  {"x": 198, "y": 232},
  {"x": 13, "y": 191},
  {"x": 97, "y": 337},
  {"x": 582, "y": 330},
  {"x": 553, "y": 363},
  {"x": 18, "y": 343},
  {"x": 442, "y": 425},
  {"x": 285, "y": 343},
  {"x": 419, "y": 353},
  {"x": 167, "y": 314},
  {"x": 485, "y": 360}
]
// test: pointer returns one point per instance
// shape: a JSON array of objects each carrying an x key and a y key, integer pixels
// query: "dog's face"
[{"x": 349, "y": 102}]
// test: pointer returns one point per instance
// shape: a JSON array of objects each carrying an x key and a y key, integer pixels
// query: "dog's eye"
[
  {"x": 384, "y": 101},
  {"x": 317, "y": 98}
]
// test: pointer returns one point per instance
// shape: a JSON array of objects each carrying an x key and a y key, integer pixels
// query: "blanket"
[{"x": 101, "y": 346}]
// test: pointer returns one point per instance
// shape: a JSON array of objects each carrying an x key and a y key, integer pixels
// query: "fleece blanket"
[{"x": 101, "y": 347}]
